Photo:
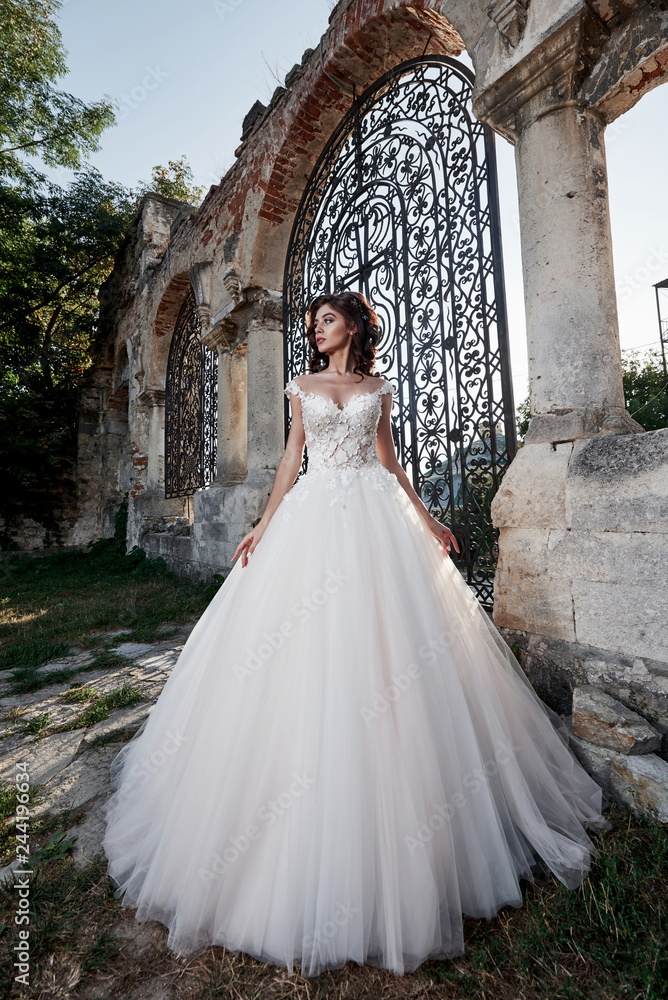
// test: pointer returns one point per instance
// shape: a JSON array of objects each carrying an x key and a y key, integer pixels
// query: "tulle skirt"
[{"x": 346, "y": 757}]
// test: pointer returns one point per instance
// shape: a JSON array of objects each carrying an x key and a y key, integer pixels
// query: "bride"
[{"x": 346, "y": 757}]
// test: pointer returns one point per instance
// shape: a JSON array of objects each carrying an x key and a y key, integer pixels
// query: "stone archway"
[
  {"x": 358, "y": 49},
  {"x": 191, "y": 406}
]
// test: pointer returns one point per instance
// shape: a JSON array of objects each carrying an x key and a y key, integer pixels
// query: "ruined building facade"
[{"x": 582, "y": 511}]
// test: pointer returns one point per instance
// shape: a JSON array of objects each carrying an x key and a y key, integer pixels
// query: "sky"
[{"x": 184, "y": 73}]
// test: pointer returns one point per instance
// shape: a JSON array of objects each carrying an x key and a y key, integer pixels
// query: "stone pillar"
[
  {"x": 231, "y": 467},
  {"x": 575, "y": 370},
  {"x": 148, "y": 504},
  {"x": 248, "y": 336},
  {"x": 152, "y": 401},
  {"x": 575, "y": 373},
  {"x": 264, "y": 334},
  {"x": 579, "y": 501},
  {"x": 255, "y": 326},
  {"x": 232, "y": 438}
]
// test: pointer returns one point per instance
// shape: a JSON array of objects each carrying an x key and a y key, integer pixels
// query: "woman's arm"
[
  {"x": 286, "y": 473},
  {"x": 388, "y": 458}
]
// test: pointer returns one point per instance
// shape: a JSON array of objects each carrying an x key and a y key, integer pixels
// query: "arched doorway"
[
  {"x": 191, "y": 404},
  {"x": 402, "y": 205}
]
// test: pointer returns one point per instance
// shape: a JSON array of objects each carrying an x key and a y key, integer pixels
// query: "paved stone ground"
[{"x": 71, "y": 771}]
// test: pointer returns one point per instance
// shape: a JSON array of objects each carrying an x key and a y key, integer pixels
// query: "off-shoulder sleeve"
[{"x": 292, "y": 388}]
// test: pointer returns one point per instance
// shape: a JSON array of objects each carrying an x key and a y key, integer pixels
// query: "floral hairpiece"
[{"x": 364, "y": 310}]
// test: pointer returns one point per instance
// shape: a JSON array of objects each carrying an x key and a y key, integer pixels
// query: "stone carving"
[
  {"x": 232, "y": 284},
  {"x": 510, "y": 17},
  {"x": 200, "y": 279}
]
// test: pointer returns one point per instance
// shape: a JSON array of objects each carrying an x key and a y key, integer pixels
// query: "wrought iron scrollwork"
[
  {"x": 402, "y": 205},
  {"x": 191, "y": 407}
]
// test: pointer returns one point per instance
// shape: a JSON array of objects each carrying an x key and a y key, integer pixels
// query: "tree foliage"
[
  {"x": 56, "y": 248},
  {"x": 36, "y": 118},
  {"x": 173, "y": 181},
  {"x": 646, "y": 388}
]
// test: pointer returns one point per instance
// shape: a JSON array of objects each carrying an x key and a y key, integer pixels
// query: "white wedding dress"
[{"x": 346, "y": 757}]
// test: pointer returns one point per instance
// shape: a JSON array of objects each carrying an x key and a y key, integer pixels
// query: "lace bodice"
[{"x": 341, "y": 440}]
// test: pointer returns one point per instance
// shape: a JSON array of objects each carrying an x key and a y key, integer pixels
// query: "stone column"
[
  {"x": 249, "y": 339},
  {"x": 231, "y": 467},
  {"x": 263, "y": 325},
  {"x": 575, "y": 373},
  {"x": 152, "y": 401},
  {"x": 232, "y": 435},
  {"x": 575, "y": 369},
  {"x": 579, "y": 501}
]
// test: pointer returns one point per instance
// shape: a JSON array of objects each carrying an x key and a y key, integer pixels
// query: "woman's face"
[{"x": 331, "y": 333}]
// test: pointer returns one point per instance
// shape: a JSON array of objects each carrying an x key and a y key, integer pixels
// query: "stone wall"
[{"x": 582, "y": 580}]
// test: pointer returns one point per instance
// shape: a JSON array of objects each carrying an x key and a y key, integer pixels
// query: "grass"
[
  {"x": 31, "y": 654},
  {"x": 36, "y": 724},
  {"x": 64, "y": 601},
  {"x": 102, "y": 705},
  {"x": 607, "y": 940}
]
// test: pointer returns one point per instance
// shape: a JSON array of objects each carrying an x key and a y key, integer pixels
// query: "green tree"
[
  {"x": 36, "y": 118},
  {"x": 522, "y": 417},
  {"x": 646, "y": 388},
  {"x": 56, "y": 248},
  {"x": 173, "y": 181}
]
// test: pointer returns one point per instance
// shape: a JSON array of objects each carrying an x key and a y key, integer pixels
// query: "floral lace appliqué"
[{"x": 341, "y": 443}]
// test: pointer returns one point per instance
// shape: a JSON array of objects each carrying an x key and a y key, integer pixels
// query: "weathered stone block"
[
  {"x": 597, "y": 761},
  {"x": 533, "y": 491},
  {"x": 45, "y": 757},
  {"x": 525, "y": 595},
  {"x": 606, "y": 722},
  {"x": 634, "y": 558},
  {"x": 619, "y": 483},
  {"x": 555, "y": 667},
  {"x": 622, "y": 618},
  {"x": 641, "y": 783}
]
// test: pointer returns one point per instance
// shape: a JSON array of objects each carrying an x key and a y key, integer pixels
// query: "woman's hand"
[
  {"x": 443, "y": 534},
  {"x": 248, "y": 544}
]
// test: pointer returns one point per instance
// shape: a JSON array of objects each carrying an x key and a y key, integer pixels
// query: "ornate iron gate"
[
  {"x": 191, "y": 405},
  {"x": 402, "y": 205}
]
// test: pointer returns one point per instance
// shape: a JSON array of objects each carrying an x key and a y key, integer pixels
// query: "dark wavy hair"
[{"x": 358, "y": 314}]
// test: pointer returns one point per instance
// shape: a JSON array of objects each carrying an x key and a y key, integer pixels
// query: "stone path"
[{"x": 70, "y": 769}]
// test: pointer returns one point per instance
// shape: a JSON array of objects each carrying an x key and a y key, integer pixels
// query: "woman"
[{"x": 347, "y": 757}]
